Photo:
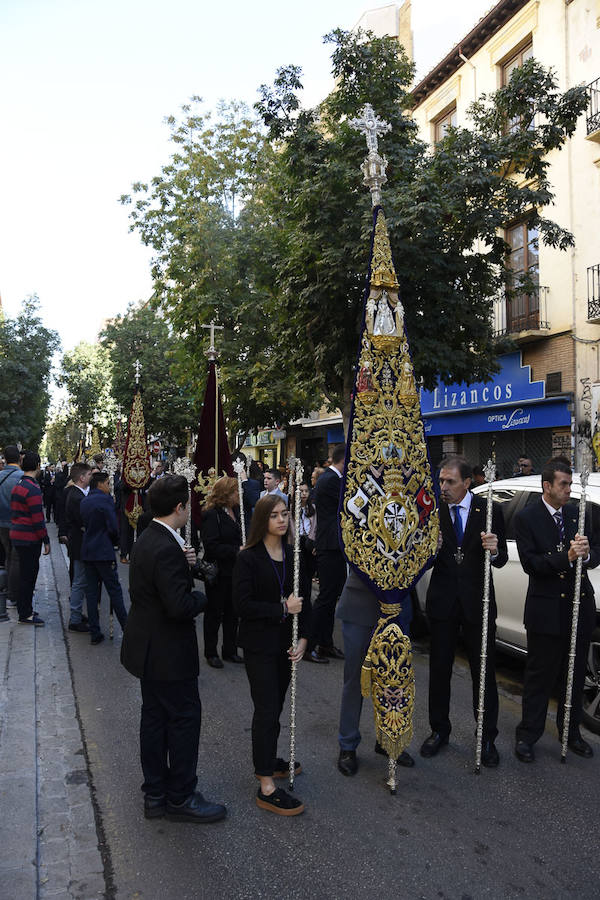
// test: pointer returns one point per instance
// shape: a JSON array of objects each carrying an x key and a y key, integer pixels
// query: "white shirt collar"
[
  {"x": 465, "y": 504},
  {"x": 84, "y": 491},
  {"x": 177, "y": 536},
  {"x": 337, "y": 471},
  {"x": 551, "y": 509}
]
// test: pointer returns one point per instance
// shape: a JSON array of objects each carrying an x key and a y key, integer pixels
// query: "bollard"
[{"x": 3, "y": 595}]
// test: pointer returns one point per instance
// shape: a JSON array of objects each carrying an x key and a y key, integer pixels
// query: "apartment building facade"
[{"x": 546, "y": 397}]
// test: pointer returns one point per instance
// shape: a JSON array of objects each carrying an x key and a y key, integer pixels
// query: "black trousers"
[
  {"x": 169, "y": 735},
  {"x": 11, "y": 562},
  {"x": 444, "y": 638},
  {"x": 269, "y": 676},
  {"x": 308, "y": 565},
  {"x": 125, "y": 535},
  {"x": 220, "y": 611},
  {"x": 29, "y": 566},
  {"x": 331, "y": 567},
  {"x": 547, "y": 664}
]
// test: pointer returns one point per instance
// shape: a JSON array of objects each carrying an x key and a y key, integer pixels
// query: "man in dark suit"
[
  {"x": 359, "y": 611},
  {"x": 549, "y": 545},
  {"x": 161, "y": 649},
  {"x": 455, "y": 604},
  {"x": 331, "y": 563},
  {"x": 72, "y": 527},
  {"x": 98, "y": 553}
]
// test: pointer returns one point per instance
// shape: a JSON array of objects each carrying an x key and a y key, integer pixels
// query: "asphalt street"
[{"x": 519, "y": 831}]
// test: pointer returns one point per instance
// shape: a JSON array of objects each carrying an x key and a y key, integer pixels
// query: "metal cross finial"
[
  {"x": 211, "y": 353},
  {"x": 138, "y": 369},
  {"x": 374, "y": 165},
  {"x": 370, "y": 126}
]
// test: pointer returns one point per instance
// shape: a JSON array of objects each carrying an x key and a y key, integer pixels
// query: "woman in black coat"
[
  {"x": 263, "y": 598},
  {"x": 222, "y": 538}
]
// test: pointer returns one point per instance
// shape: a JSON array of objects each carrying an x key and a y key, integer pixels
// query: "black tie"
[{"x": 560, "y": 525}]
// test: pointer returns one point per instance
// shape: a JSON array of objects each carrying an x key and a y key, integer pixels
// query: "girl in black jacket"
[{"x": 263, "y": 598}]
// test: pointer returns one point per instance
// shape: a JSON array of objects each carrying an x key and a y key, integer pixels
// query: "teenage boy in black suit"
[
  {"x": 455, "y": 604},
  {"x": 548, "y": 545},
  {"x": 161, "y": 649}
]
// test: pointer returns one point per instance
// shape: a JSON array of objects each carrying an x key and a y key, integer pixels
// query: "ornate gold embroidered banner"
[{"x": 388, "y": 522}]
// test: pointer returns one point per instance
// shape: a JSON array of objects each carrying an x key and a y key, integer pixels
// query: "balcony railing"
[
  {"x": 592, "y": 117},
  {"x": 518, "y": 312},
  {"x": 593, "y": 280}
]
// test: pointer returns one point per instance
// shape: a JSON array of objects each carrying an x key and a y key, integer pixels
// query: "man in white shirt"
[{"x": 272, "y": 479}]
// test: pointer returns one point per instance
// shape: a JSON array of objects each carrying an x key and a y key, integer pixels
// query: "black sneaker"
[
  {"x": 155, "y": 807},
  {"x": 280, "y": 802},
  {"x": 81, "y": 627},
  {"x": 97, "y": 639},
  {"x": 281, "y": 768},
  {"x": 32, "y": 620}
]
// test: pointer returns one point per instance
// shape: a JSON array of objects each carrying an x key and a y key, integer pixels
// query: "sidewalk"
[{"x": 48, "y": 838}]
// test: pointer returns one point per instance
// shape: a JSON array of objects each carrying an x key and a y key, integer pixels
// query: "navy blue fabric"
[{"x": 101, "y": 530}]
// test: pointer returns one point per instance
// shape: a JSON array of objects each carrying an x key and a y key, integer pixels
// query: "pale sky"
[{"x": 85, "y": 89}]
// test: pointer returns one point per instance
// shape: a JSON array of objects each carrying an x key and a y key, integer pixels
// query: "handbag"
[{"x": 208, "y": 572}]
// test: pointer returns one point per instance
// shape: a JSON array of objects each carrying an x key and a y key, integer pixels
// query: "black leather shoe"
[
  {"x": 431, "y": 745},
  {"x": 80, "y": 627},
  {"x": 314, "y": 656},
  {"x": 490, "y": 758},
  {"x": 234, "y": 658},
  {"x": 580, "y": 747},
  {"x": 98, "y": 639},
  {"x": 214, "y": 662},
  {"x": 330, "y": 652},
  {"x": 405, "y": 759},
  {"x": 196, "y": 809},
  {"x": 347, "y": 762},
  {"x": 154, "y": 807},
  {"x": 524, "y": 751}
]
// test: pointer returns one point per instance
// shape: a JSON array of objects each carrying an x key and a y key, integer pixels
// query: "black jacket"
[
  {"x": 326, "y": 501},
  {"x": 257, "y": 601},
  {"x": 455, "y": 586},
  {"x": 549, "y": 603},
  {"x": 160, "y": 641},
  {"x": 222, "y": 538},
  {"x": 73, "y": 523}
]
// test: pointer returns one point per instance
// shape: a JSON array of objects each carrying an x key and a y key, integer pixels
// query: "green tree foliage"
[
  {"x": 86, "y": 374},
  {"x": 61, "y": 440},
  {"x": 438, "y": 204},
  {"x": 26, "y": 350},
  {"x": 208, "y": 256},
  {"x": 169, "y": 410}
]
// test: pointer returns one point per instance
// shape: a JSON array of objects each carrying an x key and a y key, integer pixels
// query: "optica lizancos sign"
[
  {"x": 550, "y": 414},
  {"x": 511, "y": 385}
]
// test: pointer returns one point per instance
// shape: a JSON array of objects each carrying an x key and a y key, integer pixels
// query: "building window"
[
  {"x": 523, "y": 297},
  {"x": 441, "y": 125},
  {"x": 515, "y": 62}
]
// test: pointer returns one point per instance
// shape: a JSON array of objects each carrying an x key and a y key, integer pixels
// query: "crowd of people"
[{"x": 245, "y": 593}]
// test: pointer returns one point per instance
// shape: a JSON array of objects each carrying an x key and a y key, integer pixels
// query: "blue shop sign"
[
  {"x": 511, "y": 385},
  {"x": 549, "y": 414}
]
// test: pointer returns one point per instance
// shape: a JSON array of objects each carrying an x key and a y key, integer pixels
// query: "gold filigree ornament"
[
  {"x": 388, "y": 678},
  {"x": 207, "y": 482}
]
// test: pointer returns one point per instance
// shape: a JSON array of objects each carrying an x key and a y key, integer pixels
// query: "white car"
[{"x": 510, "y": 582}]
